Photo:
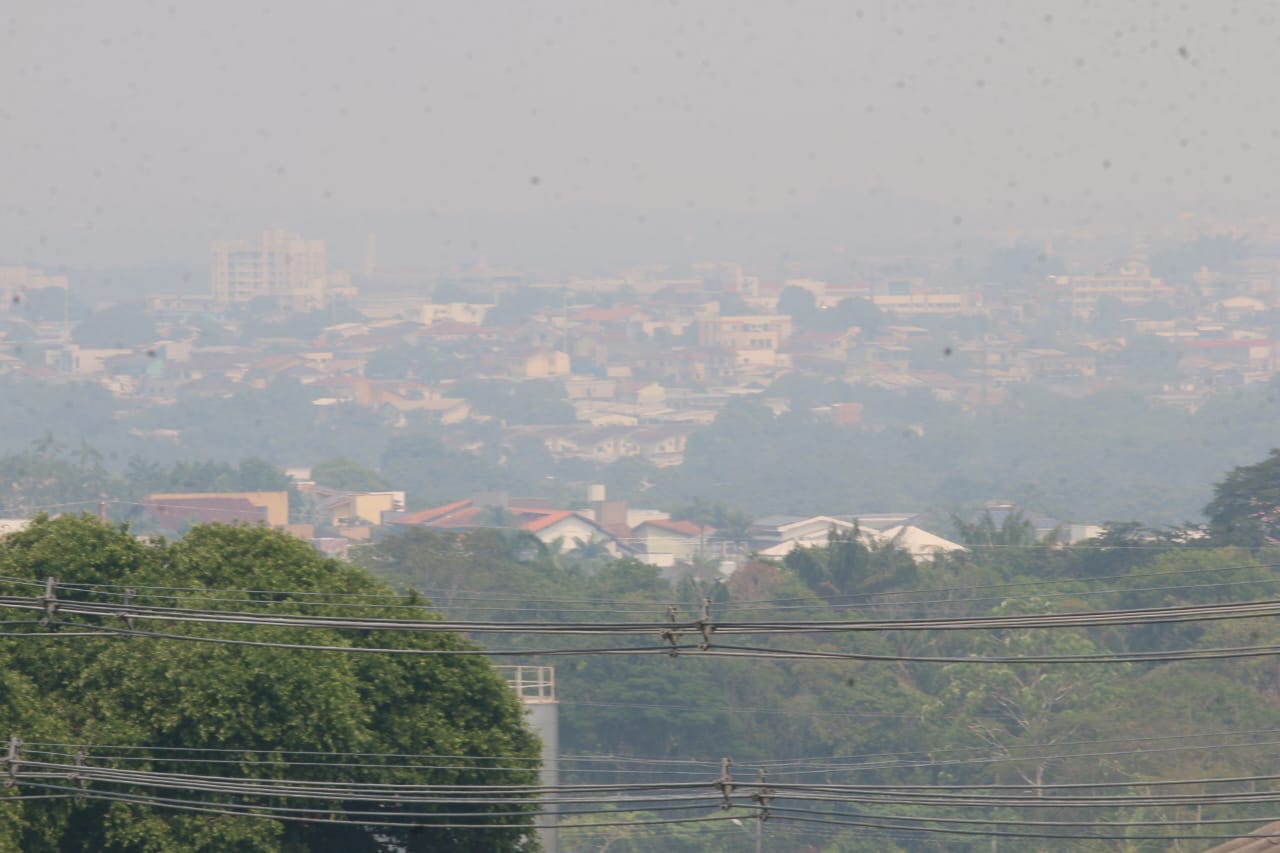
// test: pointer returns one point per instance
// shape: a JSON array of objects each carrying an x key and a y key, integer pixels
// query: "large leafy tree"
[
  {"x": 48, "y": 477},
  {"x": 848, "y": 565},
  {"x": 342, "y": 473},
  {"x": 168, "y": 701},
  {"x": 1245, "y": 509}
]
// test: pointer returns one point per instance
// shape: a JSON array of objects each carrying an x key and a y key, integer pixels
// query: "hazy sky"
[{"x": 132, "y": 117}]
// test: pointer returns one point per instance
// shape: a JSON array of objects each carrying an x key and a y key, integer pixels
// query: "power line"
[
  {"x": 873, "y": 822},
  {"x": 657, "y": 604},
  {"x": 1072, "y": 619},
  {"x": 772, "y": 798}
]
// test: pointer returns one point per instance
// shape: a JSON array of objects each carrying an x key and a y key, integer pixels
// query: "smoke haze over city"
[{"x": 133, "y": 132}]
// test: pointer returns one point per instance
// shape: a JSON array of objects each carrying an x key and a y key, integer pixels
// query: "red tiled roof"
[
  {"x": 685, "y": 528},
  {"x": 463, "y": 519},
  {"x": 545, "y": 521},
  {"x": 435, "y": 514}
]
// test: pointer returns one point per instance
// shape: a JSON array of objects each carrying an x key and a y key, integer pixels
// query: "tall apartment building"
[{"x": 276, "y": 264}]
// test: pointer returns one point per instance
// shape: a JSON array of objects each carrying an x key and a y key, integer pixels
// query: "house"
[
  {"x": 568, "y": 530},
  {"x": 665, "y": 541},
  {"x": 920, "y": 544},
  {"x": 779, "y": 535},
  {"x": 662, "y": 445},
  {"x": 562, "y": 528}
]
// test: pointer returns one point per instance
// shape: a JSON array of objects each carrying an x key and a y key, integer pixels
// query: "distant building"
[
  {"x": 914, "y": 296},
  {"x": 17, "y": 282},
  {"x": 176, "y": 513},
  {"x": 454, "y": 312},
  {"x": 754, "y": 339},
  {"x": 666, "y": 541},
  {"x": 13, "y": 525},
  {"x": 779, "y": 535},
  {"x": 227, "y": 507},
  {"x": 1132, "y": 285},
  {"x": 276, "y": 264},
  {"x": 561, "y": 528}
]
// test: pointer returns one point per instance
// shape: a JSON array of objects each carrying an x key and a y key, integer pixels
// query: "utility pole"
[{"x": 762, "y": 797}]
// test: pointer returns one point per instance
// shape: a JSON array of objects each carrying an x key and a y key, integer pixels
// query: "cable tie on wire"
[
  {"x": 78, "y": 776},
  {"x": 671, "y": 635},
  {"x": 12, "y": 761},
  {"x": 725, "y": 783},
  {"x": 50, "y": 601},
  {"x": 705, "y": 624},
  {"x": 127, "y": 615},
  {"x": 763, "y": 796}
]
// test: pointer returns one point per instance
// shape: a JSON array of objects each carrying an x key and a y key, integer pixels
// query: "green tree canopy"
[
  {"x": 1245, "y": 509},
  {"x": 341, "y": 473},
  {"x": 169, "y": 704},
  {"x": 534, "y": 401}
]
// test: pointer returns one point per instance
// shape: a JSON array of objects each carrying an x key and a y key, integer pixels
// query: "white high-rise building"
[{"x": 277, "y": 264}]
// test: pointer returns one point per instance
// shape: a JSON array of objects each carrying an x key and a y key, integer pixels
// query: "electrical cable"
[{"x": 811, "y": 816}]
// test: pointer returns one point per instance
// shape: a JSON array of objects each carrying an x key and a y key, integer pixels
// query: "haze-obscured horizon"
[{"x": 135, "y": 133}]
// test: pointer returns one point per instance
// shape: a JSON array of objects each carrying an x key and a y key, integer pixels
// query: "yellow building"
[
  {"x": 276, "y": 504},
  {"x": 363, "y": 506}
]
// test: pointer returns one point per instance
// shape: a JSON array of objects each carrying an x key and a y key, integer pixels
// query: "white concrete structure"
[{"x": 536, "y": 687}]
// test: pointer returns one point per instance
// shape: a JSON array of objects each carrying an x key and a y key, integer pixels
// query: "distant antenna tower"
[{"x": 371, "y": 256}]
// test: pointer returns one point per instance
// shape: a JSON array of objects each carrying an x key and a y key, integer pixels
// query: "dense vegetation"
[
  {"x": 237, "y": 710},
  {"x": 918, "y": 711},
  {"x": 906, "y": 720}
]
